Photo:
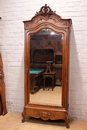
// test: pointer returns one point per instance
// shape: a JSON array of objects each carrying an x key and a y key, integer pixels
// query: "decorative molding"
[{"x": 46, "y": 14}]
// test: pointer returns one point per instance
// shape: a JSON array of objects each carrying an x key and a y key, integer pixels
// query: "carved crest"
[
  {"x": 45, "y": 10},
  {"x": 47, "y": 13}
]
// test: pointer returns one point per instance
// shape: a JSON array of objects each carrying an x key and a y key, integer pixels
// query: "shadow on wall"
[
  {"x": 21, "y": 85},
  {"x": 75, "y": 80}
]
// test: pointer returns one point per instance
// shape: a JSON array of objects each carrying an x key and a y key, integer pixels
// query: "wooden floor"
[
  {"x": 12, "y": 121},
  {"x": 48, "y": 96}
]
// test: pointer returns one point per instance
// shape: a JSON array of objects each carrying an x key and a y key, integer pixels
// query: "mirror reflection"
[{"x": 46, "y": 67}]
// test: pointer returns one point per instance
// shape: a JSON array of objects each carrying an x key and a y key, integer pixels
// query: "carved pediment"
[{"x": 46, "y": 14}]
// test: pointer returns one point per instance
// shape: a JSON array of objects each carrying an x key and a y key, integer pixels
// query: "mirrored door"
[{"x": 46, "y": 59}]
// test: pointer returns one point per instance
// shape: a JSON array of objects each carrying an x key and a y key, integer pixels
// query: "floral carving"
[
  {"x": 45, "y": 10},
  {"x": 44, "y": 115}
]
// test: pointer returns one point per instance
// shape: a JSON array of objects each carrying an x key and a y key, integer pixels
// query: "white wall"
[{"x": 13, "y": 12}]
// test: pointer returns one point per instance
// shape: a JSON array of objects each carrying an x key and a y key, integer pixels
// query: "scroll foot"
[
  {"x": 23, "y": 120},
  {"x": 67, "y": 122},
  {"x": 23, "y": 115}
]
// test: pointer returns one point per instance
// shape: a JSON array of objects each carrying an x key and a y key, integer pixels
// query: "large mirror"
[
  {"x": 46, "y": 54},
  {"x": 46, "y": 67}
]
